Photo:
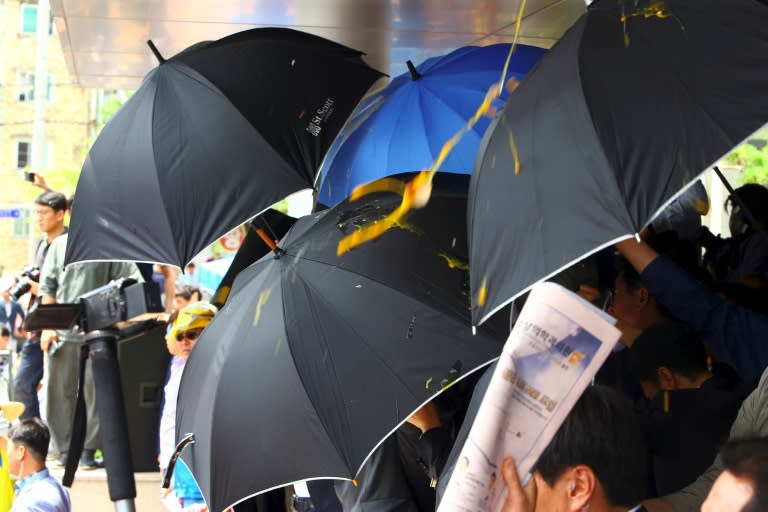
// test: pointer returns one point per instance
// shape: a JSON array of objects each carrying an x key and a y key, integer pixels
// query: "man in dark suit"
[
  {"x": 11, "y": 313},
  {"x": 690, "y": 408}
]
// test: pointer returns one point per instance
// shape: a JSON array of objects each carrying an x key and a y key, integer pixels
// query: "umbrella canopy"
[
  {"x": 403, "y": 127},
  {"x": 316, "y": 358},
  {"x": 612, "y": 123},
  {"x": 212, "y": 137}
]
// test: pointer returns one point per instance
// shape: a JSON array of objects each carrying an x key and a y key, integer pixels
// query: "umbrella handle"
[
  {"x": 756, "y": 225},
  {"x": 270, "y": 243},
  {"x": 187, "y": 440}
]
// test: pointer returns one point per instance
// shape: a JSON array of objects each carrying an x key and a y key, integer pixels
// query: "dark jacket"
[
  {"x": 684, "y": 440},
  {"x": 737, "y": 335},
  {"x": 396, "y": 478},
  {"x": 16, "y": 312}
]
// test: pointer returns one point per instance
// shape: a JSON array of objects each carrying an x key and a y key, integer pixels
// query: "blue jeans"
[{"x": 28, "y": 376}]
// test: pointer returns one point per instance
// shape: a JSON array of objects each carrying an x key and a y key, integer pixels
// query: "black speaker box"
[{"x": 143, "y": 360}]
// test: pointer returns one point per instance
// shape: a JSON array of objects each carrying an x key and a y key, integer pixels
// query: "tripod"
[{"x": 101, "y": 348}]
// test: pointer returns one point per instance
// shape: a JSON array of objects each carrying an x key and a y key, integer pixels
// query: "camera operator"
[
  {"x": 50, "y": 208},
  {"x": 744, "y": 256},
  {"x": 62, "y": 348}
]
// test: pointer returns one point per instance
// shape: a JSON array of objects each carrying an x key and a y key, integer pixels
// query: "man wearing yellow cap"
[{"x": 182, "y": 336}]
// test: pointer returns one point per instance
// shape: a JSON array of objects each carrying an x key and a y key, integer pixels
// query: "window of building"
[
  {"x": 23, "y": 154},
  {"x": 26, "y": 81},
  {"x": 29, "y": 19},
  {"x": 21, "y": 227}
]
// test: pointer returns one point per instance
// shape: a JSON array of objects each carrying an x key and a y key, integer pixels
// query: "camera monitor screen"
[{"x": 53, "y": 316}]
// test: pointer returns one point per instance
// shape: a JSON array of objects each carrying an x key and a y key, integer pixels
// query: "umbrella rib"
[
  {"x": 461, "y": 120},
  {"x": 360, "y": 336},
  {"x": 337, "y": 388},
  {"x": 391, "y": 371}
]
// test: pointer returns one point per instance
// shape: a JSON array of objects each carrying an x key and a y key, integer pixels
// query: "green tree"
[{"x": 752, "y": 160}]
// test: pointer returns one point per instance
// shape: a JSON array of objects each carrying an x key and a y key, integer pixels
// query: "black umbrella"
[
  {"x": 212, "y": 137},
  {"x": 609, "y": 126},
  {"x": 316, "y": 358}
]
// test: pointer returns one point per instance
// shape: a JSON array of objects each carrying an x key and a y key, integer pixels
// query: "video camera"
[
  {"x": 123, "y": 305},
  {"x": 31, "y": 272}
]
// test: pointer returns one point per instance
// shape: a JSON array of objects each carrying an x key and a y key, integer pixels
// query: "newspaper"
[{"x": 554, "y": 350}]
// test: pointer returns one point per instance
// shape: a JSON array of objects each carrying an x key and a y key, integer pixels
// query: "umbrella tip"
[
  {"x": 415, "y": 75},
  {"x": 155, "y": 51}
]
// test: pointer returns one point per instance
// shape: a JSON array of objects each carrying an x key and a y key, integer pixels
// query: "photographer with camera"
[
  {"x": 50, "y": 208},
  {"x": 744, "y": 256},
  {"x": 59, "y": 285}
]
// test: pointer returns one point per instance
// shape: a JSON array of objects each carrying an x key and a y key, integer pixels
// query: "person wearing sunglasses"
[{"x": 184, "y": 331}]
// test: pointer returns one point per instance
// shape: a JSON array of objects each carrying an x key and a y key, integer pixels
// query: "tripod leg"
[{"x": 111, "y": 409}]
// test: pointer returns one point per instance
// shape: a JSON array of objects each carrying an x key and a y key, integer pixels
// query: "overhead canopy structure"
[{"x": 104, "y": 43}]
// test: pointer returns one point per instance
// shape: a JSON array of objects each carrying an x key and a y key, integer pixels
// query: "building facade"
[{"x": 69, "y": 126}]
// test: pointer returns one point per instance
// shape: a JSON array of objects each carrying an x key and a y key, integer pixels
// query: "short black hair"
[
  {"x": 748, "y": 458},
  {"x": 55, "y": 200},
  {"x": 5, "y": 332},
  {"x": 602, "y": 433},
  {"x": 671, "y": 345},
  {"x": 755, "y": 197},
  {"x": 188, "y": 291},
  {"x": 34, "y": 435}
]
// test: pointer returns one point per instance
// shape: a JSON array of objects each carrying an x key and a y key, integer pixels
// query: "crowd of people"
[
  {"x": 45, "y": 379},
  {"x": 676, "y": 422}
]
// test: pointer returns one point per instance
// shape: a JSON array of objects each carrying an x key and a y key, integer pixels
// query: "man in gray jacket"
[{"x": 62, "y": 348}]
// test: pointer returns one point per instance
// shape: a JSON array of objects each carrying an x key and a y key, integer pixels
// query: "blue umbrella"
[{"x": 403, "y": 127}]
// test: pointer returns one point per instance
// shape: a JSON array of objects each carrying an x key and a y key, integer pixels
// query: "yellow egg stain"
[
  {"x": 416, "y": 193},
  {"x": 655, "y": 9},
  {"x": 427, "y": 384},
  {"x": 263, "y": 297},
  {"x": 454, "y": 262},
  {"x": 446, "y": 385},
  {"x": 515, "y": 154},
  {"x": 701, "y": 205},
  {"x": 512, "y": 148},
  {"x": 482, "y": 293}
]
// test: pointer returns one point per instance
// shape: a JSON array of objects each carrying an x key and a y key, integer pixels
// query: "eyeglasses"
[{"x": 190, "y": 335}]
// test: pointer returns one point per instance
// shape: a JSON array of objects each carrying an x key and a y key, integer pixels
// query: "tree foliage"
[{"x": 752, "y": 160}]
